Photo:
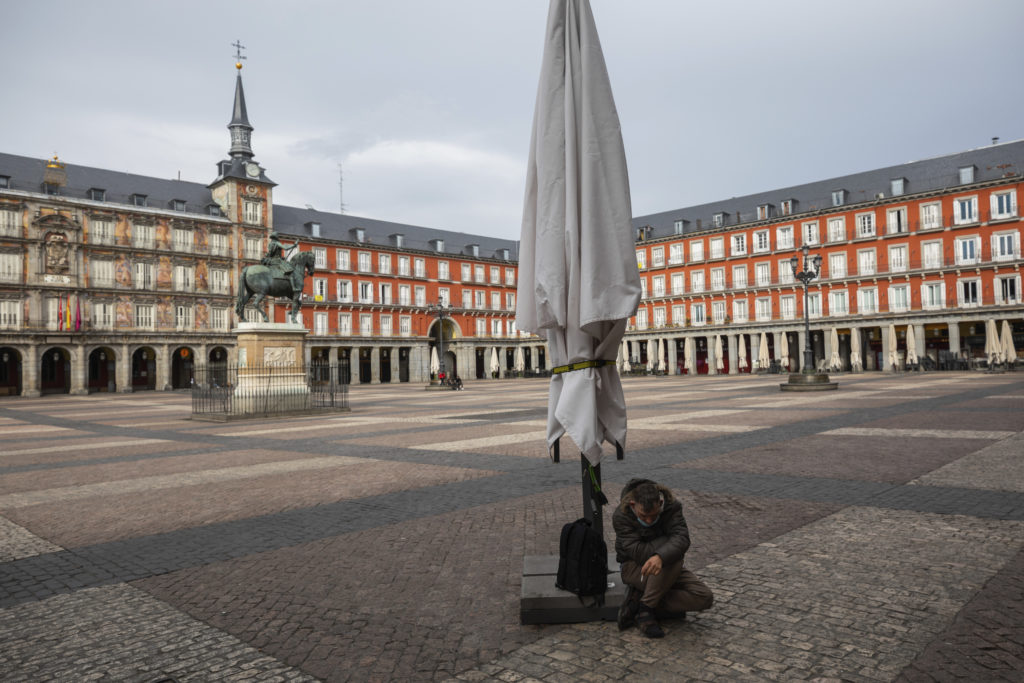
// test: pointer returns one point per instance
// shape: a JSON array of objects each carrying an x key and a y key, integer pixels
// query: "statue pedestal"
[
  {"x": 809, "y": 382},
  {"x": 272, "y": 373}
]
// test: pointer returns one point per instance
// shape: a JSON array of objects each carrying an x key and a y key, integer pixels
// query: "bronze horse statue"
[{"x": 263, "y": 281}]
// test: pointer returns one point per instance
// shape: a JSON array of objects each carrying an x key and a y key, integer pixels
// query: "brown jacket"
[{"x": 669, "y": 537}]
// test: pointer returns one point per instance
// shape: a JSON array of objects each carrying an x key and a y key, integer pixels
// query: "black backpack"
[{"x": 582, "y": 561}]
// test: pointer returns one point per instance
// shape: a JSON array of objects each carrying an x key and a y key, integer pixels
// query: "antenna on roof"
[{"x": 341, "y": 190}]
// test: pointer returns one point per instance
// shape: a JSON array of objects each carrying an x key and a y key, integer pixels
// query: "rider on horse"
[{"x": 276, "y": 258}]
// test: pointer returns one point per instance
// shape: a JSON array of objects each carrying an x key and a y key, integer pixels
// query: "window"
[
  {"x": 345, "y": 324},
  {"x": 10, "y": 267},
  {"x": 837, "y": 229},
  {"x": 837, "y": 265},
  {"x": 142, "y": 236},
  {"x": 467, "y": 298},
  {"x": 177, "y": 204},
  {"x": 739, "y": 310},
  {"x": 98, "y": 195},
  {"x": 183, "y": 319},
  {"x": 252, "y": 315},
  {"x": 838, "y": 303},
  {"x": 658, "y": 257},
  {"x": 865, "y": 225},
  {"x": 144, "y": 276},
  {"x": 739, "y": 245},
  {"x": 678, "y": 227},
  {"x": 717, "y": 313},
  {"x": 896, "y": 186},
  {"x": 787, "y": 307},
  {"x": 478, "y": 273},
  {"x": 739, "y": 277},
  {"x": 763, "y": 274},
  {"x": 443, "y": 271},
  {"x": 675, "y": 253},
  {"x": 898, "y": 259},
  {"x": 385, "y": 325},
  {"x": 931, "y": 216},
  {"x": 786, "y": 276},
  {"x": 678, "y": 283},
  {"x": 405, "y": 325},
  {"x": 697, "y": 250},
  {"x": 899, "y": 298},
  {"x": 968, "y": 250},
  {"x": 966, "y": 175},
  {"x": 444, "y": 296},
  {"x": 786, "y": 207},
  {"x": 384, "y": 264},
  {"x": 814, "y": 305},
  {"x": 144, "y": 316},
  {"x": 319, "y": 289},
  {"x": 103, "y": 315},
  {"x": 496, "y": 327},
  {"x": 184, "y": 278},
  {"x": 314, "y": 229},
  {"x": 420, "y": 294},
  {"x": 101, "y": 231},
  {"x": 717, "y": 279},
  {"x": 697, "y": 316},
  {"x": 764, "y": 212},
  {"x": 467, "y": 272},
  {"x": 480, "y": 296},
  {"x": 252, "y": 248},
  {"x": 867, "y": 300},
  {"x": 10, "y": 223},
  {"x": 641, "y": 318},
  {"x": 344, "y": 290},
  {"x": 717, "y": 247},
  {"x": 404, "y": 295},
  {"x": 510, "y": 276},
  {"x": 933, "y": 295},
  {"x": 719, "y": 220},
  {"x": 932, "y": 254},
  {"x": 438, "y": 246},
  {"x": 641, "y": 258},
  {"x": 419, "y": 268},
  {"x": 763, "y": 308},
  {"x": 659, "y": 316},
  {"x": 1004, "y": 205},
  {"x": 896, "y": 221},
  {"x": 219, "y": 318},
  {"x": 679, "y": 315},
  {"x": 102, "y": 273},
  {"x": 838, "y": 197},
  {"x": 364, "y": 262},
  {"x": 495, "y": 275},
  {"x": 658, "y": 285},
  {"x": 320, "y": 323},
  {"x": 1006, "y": 246},
  {"x": 218, "y": 244},
  {"x": 969, "y": 290},
  {"x": 10, "y": 314},
  {"x": 138, "y": 199},
  {"x": 1007, "y": 289},
  {"x": 965, "y": 210},
  {"x": 252, "y": 212},
  {"x": 697, "y": 281},
  {"x": 784, "y": 237},
  {"x": 866, "y": 262},
  {"x": 495, "y": 301},
  {"x": 366, "y": 325},
  {"x": 366, "y": 292},
  {"x": 342, "y": 259},
  {"x": 762, "y": 243},
  {"x": 320, "y": 258},
  {"x": 810, "y": 231}
]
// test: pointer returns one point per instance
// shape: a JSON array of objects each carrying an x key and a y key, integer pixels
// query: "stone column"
[
  {"x": 954, "y": 338},
  {"x": 79, "y": 366},
  {"x": 375, "y": 365},
  {"x": 395, "y": 375},
  {"x": 919, "y": 342},
  {"x": 709, "y": 340},
  {"x": 886, "y": 365},
  {"x": 827, "y": 339},
  {"x": 777, "y": 342},
  {"x": 734, "y": 357},
  {"x": 30, "y": 372},
  {"x": 124, "y": 370},
  {"x": 801, "y": 337},
  {"x": 672, "y": 356},
  {"x": 163, "y": 367}
]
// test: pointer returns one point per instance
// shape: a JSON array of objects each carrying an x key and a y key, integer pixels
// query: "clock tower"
[{"x": 242, "y": 188}]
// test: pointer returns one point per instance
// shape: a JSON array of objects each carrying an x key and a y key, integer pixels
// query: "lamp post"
[
  {"x": 811, "y": 270},
  {"x": 441, "y": 309}
]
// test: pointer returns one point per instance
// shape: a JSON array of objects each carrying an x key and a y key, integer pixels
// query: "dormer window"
[
  {"x": 398, "y": 239},
  {"x": 51, "y": 188},
  {"x": 358, "y": 234},
  {"x": 838, "y": 197},
  {"x": 966, "y": 175},
  {"x": 5, "y": 181},
  {"x": 764, "y": 212},
  {"x": 680, "y": 226},
  {"x": 474, "y": 249},
  {"x": 138, "y": 199},
  {"x": 213, "y": 209},
  {"x": 719, "y": 219},
  {"x": 438, "y": 245},
  {"x": 897, "y": 186},
  {"x": 178, "y": 204},
  {"x": 314, "y": 228},
  {"x": 787, "y": 206},
  {"x": 503, "y": 254},
  {"x": 97, "y": 195}
]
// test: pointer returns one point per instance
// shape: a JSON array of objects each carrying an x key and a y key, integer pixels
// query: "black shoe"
[
  {"x": 647, "y": 624},
  {"x": 628, "y": 608}
]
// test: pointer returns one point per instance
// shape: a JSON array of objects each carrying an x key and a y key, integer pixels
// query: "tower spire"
[{"x": 241, "y": 129}]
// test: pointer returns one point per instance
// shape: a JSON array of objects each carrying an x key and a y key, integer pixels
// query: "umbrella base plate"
[
  {"x": 799, "y": 381},
  {"x": 543, "y": 603}
]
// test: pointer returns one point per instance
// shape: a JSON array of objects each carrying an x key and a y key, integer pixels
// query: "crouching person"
[{"x": 651, "y": 539}]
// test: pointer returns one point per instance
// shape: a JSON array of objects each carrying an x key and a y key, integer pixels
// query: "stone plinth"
[
  {"x": 272, "y": 376},
  {"x": 799, "y": 381}
]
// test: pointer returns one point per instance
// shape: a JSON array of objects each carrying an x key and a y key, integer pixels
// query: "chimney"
[{"x": 995, "y": 141}]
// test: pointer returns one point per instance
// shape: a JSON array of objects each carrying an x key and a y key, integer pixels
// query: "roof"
[{"x": 939, "y": 173}]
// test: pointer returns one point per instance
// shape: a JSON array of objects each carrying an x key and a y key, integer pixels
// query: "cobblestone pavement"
[{"x": 874, "y": 534}]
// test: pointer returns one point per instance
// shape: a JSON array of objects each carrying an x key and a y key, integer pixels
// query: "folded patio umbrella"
[
  {"x": 764, "y": 360},
  {"x": 689, "y": 357},
  {"x": 1009, "y": 351},
  {"x": 719, "y": 361},
  {"x": 856, "y": 362},
  {"x": 911, "y": 346},
  {"x": 993, "y": 347},
  {"x": 894, "y": 353},
  {"x": 835, "y": 361},
  {"x": 784, "y": 351},
  {"x": 662, "y": 361},
  {"x": 742, "y": 351}
]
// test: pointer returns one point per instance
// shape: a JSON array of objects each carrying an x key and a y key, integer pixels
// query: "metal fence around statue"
[{"x": 228, "y": 392}]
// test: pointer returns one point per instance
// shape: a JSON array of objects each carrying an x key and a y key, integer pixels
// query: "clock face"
[{"x": 253, "y": 170}]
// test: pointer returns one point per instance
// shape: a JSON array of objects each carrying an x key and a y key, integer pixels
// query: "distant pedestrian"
[{"x": 651, "y": 540}]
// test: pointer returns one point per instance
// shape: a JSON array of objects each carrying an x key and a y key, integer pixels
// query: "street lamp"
[
  {"x": 441, "y": 309},
  {"x": 811, "y": 270}
]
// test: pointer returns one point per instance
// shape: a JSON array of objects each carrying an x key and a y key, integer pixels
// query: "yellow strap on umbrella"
[{"x": 582, "y": 365}]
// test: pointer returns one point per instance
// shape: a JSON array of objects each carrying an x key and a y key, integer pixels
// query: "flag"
[
  {"x": 60, "y": 312},
  {"x": 67, "y": 314},
  {"x": 78, "y": 313}
]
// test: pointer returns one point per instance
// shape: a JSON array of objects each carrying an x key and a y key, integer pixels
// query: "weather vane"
[{"x": 238, "y": 53}]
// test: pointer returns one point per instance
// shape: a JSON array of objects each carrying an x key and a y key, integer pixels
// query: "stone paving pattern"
[{"x": 875, "y": 534}]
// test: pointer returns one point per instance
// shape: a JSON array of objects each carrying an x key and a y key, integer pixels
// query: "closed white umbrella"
[
  {"x": 911, "y": 346},
  {"x": 856, "y": 362},
  {"x": 520, "y": 362},
  {"x": 1009, "y": 351},
  {"x": 495, "y": 365},
  {"x": 578, "y": 278},
  {"x": 652, "y": 355},
  {"x": 719, "y": 361},
  {"x": 835, "y": 361},
  {"x": 435, "y": 365},
  {"x": 662, "y": 360},
  {"x": 742, "y": 351},
  {"x": 993, "y": 347},
  {"x": 689, "y": 357},
  {"x": 626, "y": 366},
  {"x": 784, "y": 351},
  {"x": 894, "y": 354},
  {"x": 764, "y": 360}
]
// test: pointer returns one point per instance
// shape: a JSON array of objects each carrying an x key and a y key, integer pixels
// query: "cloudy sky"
[{"x": 427, "y": 106}]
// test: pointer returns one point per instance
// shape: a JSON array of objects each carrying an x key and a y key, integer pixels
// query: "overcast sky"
[{"x": 428, "y": 105}]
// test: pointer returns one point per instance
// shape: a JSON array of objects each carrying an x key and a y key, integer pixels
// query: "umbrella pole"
[{"x": 593, "y": 498}]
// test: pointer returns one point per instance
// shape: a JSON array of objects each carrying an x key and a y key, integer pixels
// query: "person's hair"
[{"x": 648, "y": 497}]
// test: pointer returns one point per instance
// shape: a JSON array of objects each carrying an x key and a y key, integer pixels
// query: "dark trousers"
[{"x": 675, "y": 589}]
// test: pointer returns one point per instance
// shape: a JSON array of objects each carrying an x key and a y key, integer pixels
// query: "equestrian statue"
[{"x": 275, "y": 276}]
